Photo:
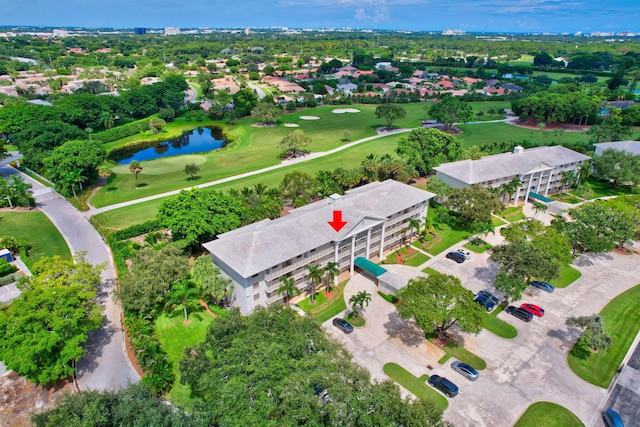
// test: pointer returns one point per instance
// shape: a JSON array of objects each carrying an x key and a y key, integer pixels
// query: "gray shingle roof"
[
  {"x": 504, "y": 165},
  {"x": 256, "y": 247},
  {"x": 628, "y": 146}
]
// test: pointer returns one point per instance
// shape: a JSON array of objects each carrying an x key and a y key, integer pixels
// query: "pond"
[{"x": 198, "y": 140}]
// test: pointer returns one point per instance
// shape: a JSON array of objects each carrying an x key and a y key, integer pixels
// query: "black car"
[
  {"x": 343, "y": 325},
  {"x": 456, "y": 256},
  {"x": 444, "y": 385},
  {"x": 520, "y": 313}
]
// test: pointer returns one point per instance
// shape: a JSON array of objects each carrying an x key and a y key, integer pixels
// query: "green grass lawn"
[
  {"x": 463, "y": 355},
  {"x": 402, "y": 256},
  {"x": 483, "y": 247},
  {"x": 175, "y": 337},
  {"x": 621, "y": 322},
  {"x": 35, "y": 228},
  {"x": 487, "y": 133},
  {"x": 497, "y": 326},
  {"x": 597, "y": 188},
  {"x": 430, "y": 271},
  {"x": 548, "y": 414},
  {"x": 417, "y": 386},
  {"x": 445, "y": 236},
  {"x": 387, "y": 297},
  {"x": 496, "y": 222},
  {"x": 512, "y": 214},
  {"x": 568, "y": 275},
  {"x": 325, "y": 307},
  {"x": 566, "y": 198}
]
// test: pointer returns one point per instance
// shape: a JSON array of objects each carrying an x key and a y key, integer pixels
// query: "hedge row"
[
  {"x": 123, "y": 131},
  {"x": 154, "y": 361},
  {"x": 135, "y": 230}
]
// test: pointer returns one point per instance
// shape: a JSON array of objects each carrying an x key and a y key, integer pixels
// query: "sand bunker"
[
  {"x": 345, "y": 110},
  {"x": 291, "y": 125},
  {"x": 310, "y": 117}
]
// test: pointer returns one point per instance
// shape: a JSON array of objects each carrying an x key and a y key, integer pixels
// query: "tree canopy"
[
  {"x": 451, "y": 110},
  {"x": 390, "y": 112},
  {"x": 294, "y": 143},
  {"x": 530, "y": 250},
  {"x": 277, "y": 368},
  {"x": 619, "y": 166},
  {"x": 43, "y": 330},
  {"x": 473, "y": 204},
  {"x": 425, "y": 149},
  {"x": 438, "y": 302}
]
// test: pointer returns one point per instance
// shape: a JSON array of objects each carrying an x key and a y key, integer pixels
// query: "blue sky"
[{"x": 468, "y": 15}]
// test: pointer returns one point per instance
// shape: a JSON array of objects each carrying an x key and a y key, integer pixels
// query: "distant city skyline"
[{"x": 555, "y": 16}]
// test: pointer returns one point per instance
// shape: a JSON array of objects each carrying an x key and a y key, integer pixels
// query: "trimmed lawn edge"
[
  {"x": 417, "y": 386},
  {"x": 549, "y": 415}
]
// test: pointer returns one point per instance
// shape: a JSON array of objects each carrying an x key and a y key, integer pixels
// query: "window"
[
  {"x": 256, "y": 297},
  {"x": 256, "y": 285}
]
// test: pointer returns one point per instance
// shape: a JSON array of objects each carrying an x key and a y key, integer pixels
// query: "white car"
[{"x": 466, "y": 253}]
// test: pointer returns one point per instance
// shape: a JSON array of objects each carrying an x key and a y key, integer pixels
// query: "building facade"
[
  {"x": 540, "y": 170},
  {"x": 632, "y": 147},
  {"x": 257, "y": 256}
]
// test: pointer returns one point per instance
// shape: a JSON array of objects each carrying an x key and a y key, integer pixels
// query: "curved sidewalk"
[{"x": 105, "y": 365}]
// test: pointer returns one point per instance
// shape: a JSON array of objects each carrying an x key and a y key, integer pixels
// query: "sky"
[{"x": 554, "y": 16}]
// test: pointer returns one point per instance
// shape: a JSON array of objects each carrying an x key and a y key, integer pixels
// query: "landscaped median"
[
  {"x": 417, "y": 386},
  {"x": 407, "y": 256},
  {"x": 458, "y": 352},
  {"x": 497, "y": 326},
  {"x": 622, "y": 323},
  {"x": 548, "y": 415},
  {"x": 325, "y": 306}
]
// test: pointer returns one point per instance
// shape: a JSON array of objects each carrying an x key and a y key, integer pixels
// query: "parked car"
[
  {"x": 547, "y": 287},
  {"x": 533, "y": 309},
  {"x": 611, "y": 418},
  {"x": 466, "y": 253},
  {"x": 465, "y": 370},
  {"x": 485, "y": 302},
  {"x": 456, "y": 256},
  {"x": 343, "y": 325},
  {"x": 444, "y": 385},
  {"x": 488, "y": 295},
  {"x": 520, "y": 313}
]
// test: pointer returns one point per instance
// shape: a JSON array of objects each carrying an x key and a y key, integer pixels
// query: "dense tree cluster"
[
  {"x": 275, "y": 367},
  {"x": 424, "y": 149},
  {"x": 43, "y": 330}
]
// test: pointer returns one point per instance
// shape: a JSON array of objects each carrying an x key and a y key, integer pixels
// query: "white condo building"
[
  {"x": 539, "y": 170},
  {"x": 256, "y": 256}
]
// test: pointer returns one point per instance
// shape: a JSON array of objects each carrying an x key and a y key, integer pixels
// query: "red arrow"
[{"x": 337, "y": 222}]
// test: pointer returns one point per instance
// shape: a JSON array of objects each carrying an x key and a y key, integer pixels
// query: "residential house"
[
  {"x": 256, "y": 256},
  {"x": 540, "y": 170}
]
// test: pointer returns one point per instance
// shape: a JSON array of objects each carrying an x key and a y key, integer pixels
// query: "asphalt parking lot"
[
  {"x": 625, "y": 395},
  {"x": 529, "y": 368}
]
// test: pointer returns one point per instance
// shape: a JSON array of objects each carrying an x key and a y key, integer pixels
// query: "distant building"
[
  {"x": 140, "y": 31},
  {"x": 632, "y": 147},
  {"x": 60, "y": 33},
  {"x": 171, "y": 31},
  {"x": 539, "y": 170},
  {"x": 257, "y": 256}
]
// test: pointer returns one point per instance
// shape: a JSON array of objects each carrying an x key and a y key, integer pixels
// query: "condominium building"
[
  {"x": 632, "y": 147},
  {"x": 540, "y": 170},
  {"x": 256, "y": 256}
]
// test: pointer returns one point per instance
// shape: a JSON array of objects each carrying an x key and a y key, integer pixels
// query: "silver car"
[{"x": 465, "y": 370}]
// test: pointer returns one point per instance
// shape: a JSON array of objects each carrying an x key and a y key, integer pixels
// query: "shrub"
[
  {"x": 122, "y": 131},
  {"x": 6, "y": 268}
]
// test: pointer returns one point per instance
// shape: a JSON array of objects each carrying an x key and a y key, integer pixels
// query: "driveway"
[
  {"x": 529, "y": 368},
  {"x": 105, "y": 365}
]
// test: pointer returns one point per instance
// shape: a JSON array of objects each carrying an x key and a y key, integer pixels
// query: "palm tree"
[
  {"x": 568, "y": 178},
  {"x": 537, "y": 208},
  {"x": 508, "y": 188},
  {"x": 314, "y": 277},
  {"x": 332, "y": 269},
  {"x": 135, "y": 168},
  {"x": 259, "y": 189},
  {"x": 540, "y": 127},
  {"x": 106, "y": 120},
  {"x": 288, "y": 288},
  {"x": 584, "y": 172},
  {"x": 414, "y": 224},
  {"x": 361, "y": 299},
  {"x": 20, "y": 190},
  {"x": 186, "y": 293},
  {"x": 104, "y": 172}
]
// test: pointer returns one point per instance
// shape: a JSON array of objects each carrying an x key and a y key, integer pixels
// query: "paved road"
[
  {"x": 529, "y": 368},
  {"x": 257, "y": 89},
  {"x": 105, "y": 365},
  {"x": 624, "y": 396},
  {"x": 96, "y": 211}
]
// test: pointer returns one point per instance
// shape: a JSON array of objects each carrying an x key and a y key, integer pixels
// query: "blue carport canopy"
[
  {"x": 369, "y": 266},
  {"x": 540, "y": 197}
]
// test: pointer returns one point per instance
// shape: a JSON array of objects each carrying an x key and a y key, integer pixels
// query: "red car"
[{"x": 533, "y": 309}]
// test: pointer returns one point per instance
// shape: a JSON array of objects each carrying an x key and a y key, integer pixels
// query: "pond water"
[{"x": 198, "y": 140}]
